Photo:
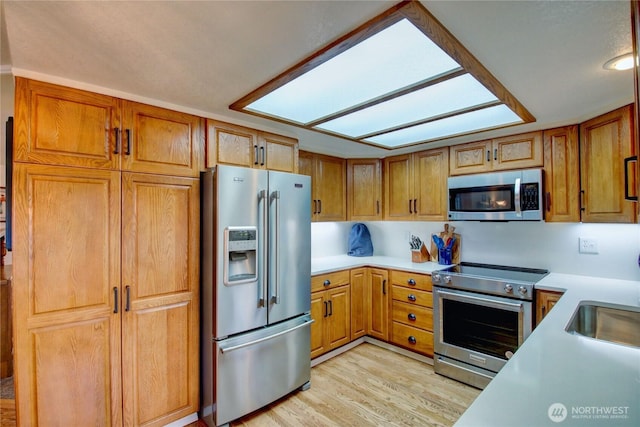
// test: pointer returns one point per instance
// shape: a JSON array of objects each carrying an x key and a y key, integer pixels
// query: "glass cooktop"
[{"x": 500, "y": 272}]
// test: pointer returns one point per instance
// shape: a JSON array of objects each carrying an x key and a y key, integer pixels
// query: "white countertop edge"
[{"x": 342, "y": 262}]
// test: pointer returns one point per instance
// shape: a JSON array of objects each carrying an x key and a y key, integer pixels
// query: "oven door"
[{"x": 477, "y": 329}]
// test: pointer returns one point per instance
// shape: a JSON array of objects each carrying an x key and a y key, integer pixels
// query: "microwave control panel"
[{"x": 530, "y": 197}]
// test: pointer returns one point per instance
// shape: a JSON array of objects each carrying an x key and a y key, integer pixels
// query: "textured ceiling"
[{"x": 200, "y": 56}]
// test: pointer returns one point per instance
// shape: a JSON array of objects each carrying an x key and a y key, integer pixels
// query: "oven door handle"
[{"x": 485, "y": 301}]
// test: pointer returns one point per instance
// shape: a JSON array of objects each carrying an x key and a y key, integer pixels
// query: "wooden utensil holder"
[{"x": 421, "y": 255}]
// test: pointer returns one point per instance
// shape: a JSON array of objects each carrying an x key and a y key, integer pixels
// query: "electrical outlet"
[{"x": 588, "y": 245}]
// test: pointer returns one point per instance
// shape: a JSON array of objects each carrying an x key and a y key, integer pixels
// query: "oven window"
[
  {"x": 482, "y": 199},
  {"x": 486, "y": 330}
]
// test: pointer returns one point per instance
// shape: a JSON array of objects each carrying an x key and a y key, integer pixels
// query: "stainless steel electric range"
[{"x": 482, "y": 314}]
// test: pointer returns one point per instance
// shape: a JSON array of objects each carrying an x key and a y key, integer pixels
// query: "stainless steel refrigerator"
[{"x": 256, "y": 289}]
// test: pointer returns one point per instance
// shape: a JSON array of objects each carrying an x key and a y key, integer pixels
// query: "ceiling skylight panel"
[
  {"x": 394, "y": 58},
  {"x": 486, "y": 118},
  {"x": 448, "y": 96}
]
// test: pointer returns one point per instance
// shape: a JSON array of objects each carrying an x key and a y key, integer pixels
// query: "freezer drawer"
[{"x": 255, "y": 369}]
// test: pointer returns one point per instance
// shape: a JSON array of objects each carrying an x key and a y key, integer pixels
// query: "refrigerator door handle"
[
  {"x": 259, "y": 340},
  {"x": 262, "y": 197},
  {"x": 276, "y": 296}
]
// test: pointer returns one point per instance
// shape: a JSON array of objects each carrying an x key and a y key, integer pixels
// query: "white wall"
[{"x": 553, "y": 246}]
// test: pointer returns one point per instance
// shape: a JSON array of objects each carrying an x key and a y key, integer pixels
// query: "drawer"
[
  {"x": 412, "y": 338},
  {"x": 412, "y": 296},
  {"x": 330, "y": 280},
  {"x": 412, "y": 315},
  {"x": 411, "y": 280}
]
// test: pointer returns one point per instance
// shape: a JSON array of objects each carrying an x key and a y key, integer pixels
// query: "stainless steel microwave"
[{"x": 497, "y": 196}]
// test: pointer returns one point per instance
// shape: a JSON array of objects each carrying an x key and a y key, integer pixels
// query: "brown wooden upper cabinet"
[
  {"x": 364, "y": 189},
  {"x": 605, "y": 142},
  {"x": 328, "y": 185},
  {"x": 561, "y": 174},
  {"x": 240, "y": 146},
  {"x": 415, "y": 186},
  {"x": 509, "y": 152},
  {"x": 71, "y": 127}
]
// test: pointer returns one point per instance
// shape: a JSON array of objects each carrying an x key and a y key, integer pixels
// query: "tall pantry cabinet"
[{"x": 106, "y": 259}]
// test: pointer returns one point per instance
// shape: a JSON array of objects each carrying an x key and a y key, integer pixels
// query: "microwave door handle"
[{"x": 516, "y": 198}]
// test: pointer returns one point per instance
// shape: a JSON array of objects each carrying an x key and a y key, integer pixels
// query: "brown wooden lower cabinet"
[
  {"x": 412, "y": 311},
  {"x": 389, "y": 305},
  {"x": 545, "y": 300},
  {"x": 331, "y": 312}
]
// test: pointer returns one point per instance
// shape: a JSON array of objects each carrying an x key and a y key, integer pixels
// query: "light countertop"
[
  {"x": 591, "y": 382},
  {"x": 342, "y": 262},
  {"x": 598, "y": 383}
]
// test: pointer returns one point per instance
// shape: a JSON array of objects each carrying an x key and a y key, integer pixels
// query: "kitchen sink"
[{"x": 607, "y": 322}]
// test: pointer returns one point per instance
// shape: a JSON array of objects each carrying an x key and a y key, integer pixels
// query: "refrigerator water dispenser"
[{"x": 240, "y": 261}]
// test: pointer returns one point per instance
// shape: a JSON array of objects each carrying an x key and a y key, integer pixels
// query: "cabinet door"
[
  {"x": 330, "y": 188},
  {"x": 605, "y": 142},
  {"x": 66, "y": 277},
  {"x": 378, "y": 320},
  {"x": 160, "y": 257},
  {"x": 156, "y": 140},
  {"x": 319, "y": 312},
  {"x": 470, "y": 158},
  {"x": 339, "y": 327},
  {"x": 517, "y": 151},
  {"x": 278, "y": 153},
  {"x": 431, "y": 169},
  {"x": 562, "y": 174},
  {"x": 62, "y": 126},
  {"x": 364, "y": 189},
  {"x": 305, "y": 167},
  {"x": 398, "y": 188},
  {"x": 231, "y": 145},
  {"x": 545, "y": 300},
  {"x": 359, "y": 302}
]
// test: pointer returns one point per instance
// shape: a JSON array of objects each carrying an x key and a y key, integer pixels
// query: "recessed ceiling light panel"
[{"x": 397, "y": 80}]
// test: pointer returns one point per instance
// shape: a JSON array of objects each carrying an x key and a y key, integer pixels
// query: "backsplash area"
[{"x": 553, "y": 246}]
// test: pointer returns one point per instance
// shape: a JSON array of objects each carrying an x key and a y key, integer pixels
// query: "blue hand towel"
[{"x": 360, "y": 241}]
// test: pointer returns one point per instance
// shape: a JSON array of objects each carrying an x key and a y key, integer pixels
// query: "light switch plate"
[{"x": 588, "y": 245}]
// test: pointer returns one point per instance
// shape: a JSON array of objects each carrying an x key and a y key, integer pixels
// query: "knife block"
[{"x": 421, "y": 255}]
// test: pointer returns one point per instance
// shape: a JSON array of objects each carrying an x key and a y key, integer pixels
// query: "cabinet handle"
[
  {"x": 127, "y": 306},
  {"x": 410, "y": 211},
  {"x": 128, "y": 150},
  {"x": 118, "y": 141},
  {"x": 411, "y": 282},
  {"x": 378, "y": 206},
  {"x": 543, "y": 310},
  {"x": 327, "y": 282},
  {"x": 319, "y": 206},
  {"x": 262, "y": 161},
  {"x": 330, "y": 307},
  {"x": 412, "y": 339},
  {"x": 326, "y": 310},
  {"x": 488, "y": 155},
  {"x": 626, "y": 178},
  {"x": 255, "y": 154},
  {"x": 582, "y": 208},
  {"x": 384, "y": 287},
  {"x": 548, "y": 201},
  {"x": 411, "y": 297},
  {"x": 115, "y": 299},
  {"x": 411, "y": 316},
  {"x": 495, "y": 154}
]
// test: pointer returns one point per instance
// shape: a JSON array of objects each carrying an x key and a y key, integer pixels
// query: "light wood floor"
[
  {"x": 366, "y": 386},
  {"x": 369, "y": 386}
]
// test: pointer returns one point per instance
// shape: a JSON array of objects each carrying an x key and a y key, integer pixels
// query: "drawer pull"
[
  {"x": 327, "y": 282},
  {"x": 411, "y": 316},
  {"x": 412, "y": 339},
  {"x": 411, "y": 282},
  {"x": 411, "y": 297}
]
